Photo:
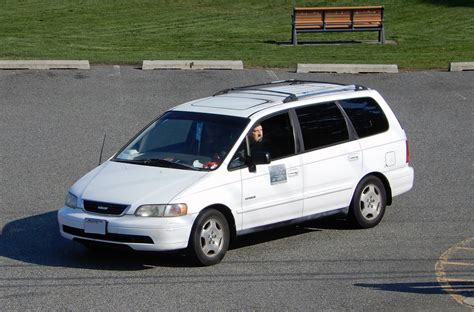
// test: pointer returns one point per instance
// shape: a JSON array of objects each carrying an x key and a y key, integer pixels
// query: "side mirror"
[
  {"x": 258, "y": 158},
  {"x": 261, "y": 158}
]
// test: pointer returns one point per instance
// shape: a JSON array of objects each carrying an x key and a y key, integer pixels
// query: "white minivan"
[{"x": 245, "y": 159}]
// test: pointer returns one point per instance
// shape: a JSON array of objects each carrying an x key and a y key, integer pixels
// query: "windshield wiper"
[
  {"x": 165, "y": 163},
  {"x": 158, "y": 162}
]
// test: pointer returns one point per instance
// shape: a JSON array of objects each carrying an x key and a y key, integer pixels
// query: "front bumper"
[{"x": 139, "y": 233}]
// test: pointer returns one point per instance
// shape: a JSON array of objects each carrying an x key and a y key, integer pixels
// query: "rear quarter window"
[
  {"x": 366, "y": 116},
  {"x": 322, "y": 125}
]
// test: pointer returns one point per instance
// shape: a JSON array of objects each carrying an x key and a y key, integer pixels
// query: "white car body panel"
[
  {"x": 265, "y": 201},
  {"x": 167, "y": 233},
  {"x": 135, "y": 185},
  {"x": 330, "y": 176}
]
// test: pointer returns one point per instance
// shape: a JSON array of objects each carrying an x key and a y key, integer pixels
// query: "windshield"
[{"x": 184, "y": 140}]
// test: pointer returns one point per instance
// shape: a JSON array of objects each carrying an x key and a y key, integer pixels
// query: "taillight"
[{"x": 407, "y": 153}]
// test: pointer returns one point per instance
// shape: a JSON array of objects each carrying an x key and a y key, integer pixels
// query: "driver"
[
  {"x": 257, "y": 133},
  {"x": 257, "y": 142},
  {"x": 212, "y": 144}
]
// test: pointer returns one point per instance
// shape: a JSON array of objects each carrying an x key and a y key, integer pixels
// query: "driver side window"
[
  {"x": 273, "y": 135},
  {"x": 278, "y": 138}
]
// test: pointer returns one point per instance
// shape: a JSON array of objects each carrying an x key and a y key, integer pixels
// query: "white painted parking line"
[
  {"x": 459, "y": 95},
  {"x": 272, "y": 75}
]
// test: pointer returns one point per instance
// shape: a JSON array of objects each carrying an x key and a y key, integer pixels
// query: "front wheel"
[
  {"x": 369, "y": 202},
  {"x": 210, "y": 237}
]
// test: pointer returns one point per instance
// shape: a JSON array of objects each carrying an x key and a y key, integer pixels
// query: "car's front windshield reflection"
[{"x": 185, "y": 140}]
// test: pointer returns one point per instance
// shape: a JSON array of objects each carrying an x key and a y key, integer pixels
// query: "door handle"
[
  {"x": 292, "y": 172},
  {"x": 353, "y": 157}
]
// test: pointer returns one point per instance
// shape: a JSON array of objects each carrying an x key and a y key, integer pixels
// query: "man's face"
[{"x": 257, "y": 133}]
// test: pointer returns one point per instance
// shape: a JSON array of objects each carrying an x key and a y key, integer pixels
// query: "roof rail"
[
  {"x": 254, "y": 87},
  {"x": 320, "y": 92},
  {"x": 290, "y": 97}
]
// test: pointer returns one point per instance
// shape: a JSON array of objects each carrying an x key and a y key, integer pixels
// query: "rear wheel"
[
  {"x": 209, "y": 239},
  {"x": 369, "y": 202}
]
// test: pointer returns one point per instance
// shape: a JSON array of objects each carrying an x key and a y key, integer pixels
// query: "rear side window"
[
  {"x": 366, "y": 116},
  {"x": 322, "y": 125}
]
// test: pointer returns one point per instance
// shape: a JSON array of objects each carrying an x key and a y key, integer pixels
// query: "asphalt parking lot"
[{"x": 421, "y": 257}]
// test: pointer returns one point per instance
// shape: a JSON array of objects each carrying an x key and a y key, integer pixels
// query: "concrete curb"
[
  {"x": 197, "y": 64},
  {"x": 346, "y": 68},
  {"x": 45, "y": 64},
  {"x": 460, "y": 66}
]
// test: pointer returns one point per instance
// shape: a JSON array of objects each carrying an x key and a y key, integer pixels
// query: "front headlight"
[
  {"x": 172, "y": 210},
  {"x": 71, "y": 200}
]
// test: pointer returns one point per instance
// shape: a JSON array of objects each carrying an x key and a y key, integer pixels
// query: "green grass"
[{"x": 429, "y": 33}]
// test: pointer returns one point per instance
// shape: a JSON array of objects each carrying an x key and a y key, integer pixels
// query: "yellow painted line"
[
  {"x": 465, "y": 248},
  {"x": 443, "y": 280},
  {"x": 459, "y": 263},
  {"x": 462, "y": 280}
]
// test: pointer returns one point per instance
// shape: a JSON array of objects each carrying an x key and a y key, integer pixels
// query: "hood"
[{"x": 135, "y": 185}]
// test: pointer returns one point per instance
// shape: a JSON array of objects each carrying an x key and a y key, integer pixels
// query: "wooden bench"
[{"x": 337, "y": 19}]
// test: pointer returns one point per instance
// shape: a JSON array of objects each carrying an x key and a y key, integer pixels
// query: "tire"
[
  {"x": 210, "y": 238},
  {"x": 368, "y": 204}
]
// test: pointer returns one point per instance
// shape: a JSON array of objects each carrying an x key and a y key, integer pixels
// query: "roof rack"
[{"x": 290, "y": 97}]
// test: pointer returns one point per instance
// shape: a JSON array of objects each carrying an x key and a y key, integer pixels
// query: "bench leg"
[
  {"x": 294, "y": 39},
  {"x": 382, "y": 36}
]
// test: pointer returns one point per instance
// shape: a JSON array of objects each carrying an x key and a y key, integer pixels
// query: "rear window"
[
  {"x": 366, "y": 116},
  {"x": 322, "y": 125}
]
